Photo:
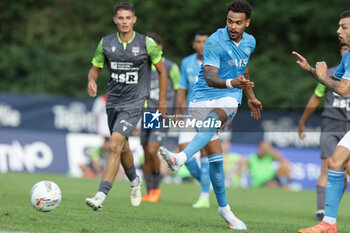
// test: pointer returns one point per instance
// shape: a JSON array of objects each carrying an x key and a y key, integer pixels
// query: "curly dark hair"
[
  {"x": 240, "y": 6},
  {"x": 124, "y": 6}
]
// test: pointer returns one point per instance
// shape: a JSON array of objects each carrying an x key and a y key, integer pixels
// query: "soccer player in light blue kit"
[
  {"x": 216, "y": 97},
  {"x": 339, "y": 82},
  {"x": 190, "y": 67}
]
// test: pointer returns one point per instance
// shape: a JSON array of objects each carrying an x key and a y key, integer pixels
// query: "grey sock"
[
  {"x": 148, "y": 182},
  {"x": 155, "y": 180},
  {"x": 131, "y": 173},
  {"x": 105, "y": 186},
  {"x": 321, "y": 197}
]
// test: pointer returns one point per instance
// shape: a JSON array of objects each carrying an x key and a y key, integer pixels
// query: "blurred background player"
[
  {"x": 152, "y": 139},
  {"x": 338, "y": 82},
  {"x": 217, "y": 94},
  {"x": 263, "y": 170},
  {"x": 129, "y": 56},
  {"x": 190, "y": 67},
  {"x": 335, "y": 118}
]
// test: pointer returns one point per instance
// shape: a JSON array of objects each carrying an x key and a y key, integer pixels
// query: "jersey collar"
[{"x": 124, "y": 44}]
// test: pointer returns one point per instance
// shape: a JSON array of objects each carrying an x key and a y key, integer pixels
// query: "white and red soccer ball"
[{"x": 45, "y": 196}]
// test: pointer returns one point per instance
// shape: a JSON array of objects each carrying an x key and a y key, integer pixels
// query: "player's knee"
[
  {"x": 152, "y": 152},
  {"x": 336, "y": 163},
  {"x": 115, "y": 148}
]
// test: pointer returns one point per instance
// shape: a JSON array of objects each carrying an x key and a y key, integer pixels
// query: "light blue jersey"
[
  {"x": 231, "y": 58},
  {"x": 189, "y": 74},
  {"x": 343, "y": 70}
]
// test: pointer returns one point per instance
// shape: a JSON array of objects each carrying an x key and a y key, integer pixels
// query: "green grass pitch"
[{"x": 263, "y": 210}]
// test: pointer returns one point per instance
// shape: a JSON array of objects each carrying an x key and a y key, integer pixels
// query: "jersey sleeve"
[
  {"x": 99, "y": 58},
  {"x": 174, "y": 75},
  {"x": 320, "y": 90},
  {"x": 211, "y": 54},
  {"x": 153, "y": 50},
  {"x": 183, "y": 82},
  {"x": 340, "y": 71}
]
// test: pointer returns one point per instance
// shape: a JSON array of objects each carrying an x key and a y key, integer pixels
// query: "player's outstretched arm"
[
  {"x": 92, "y": 77},
  {"x": 341, "y": 87},
  {"x": 310, "y": 108}
]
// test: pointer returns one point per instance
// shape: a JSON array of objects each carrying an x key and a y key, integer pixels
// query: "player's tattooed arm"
[
  {"x": 320, "y": 73},
  {"x": 211, "y": 77}
]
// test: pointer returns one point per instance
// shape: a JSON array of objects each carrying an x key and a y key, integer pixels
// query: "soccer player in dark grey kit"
[
  {"x": 335, "y": 124},
  {"x": 129, "y": 56}
]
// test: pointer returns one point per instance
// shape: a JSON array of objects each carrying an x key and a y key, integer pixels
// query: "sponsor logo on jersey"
[
  {"x": 127, "y": 78},
  {"x": 238, "y": 63},
  {"x": 113, "y": 49}
]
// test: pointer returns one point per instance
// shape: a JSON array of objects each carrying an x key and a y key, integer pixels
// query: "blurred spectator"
[
  {"x": 97, "y": 157},
  {"x": 235, "y": 165},
  {"x": 95, "y": 160},
  {"x": 263, "y": 169}
]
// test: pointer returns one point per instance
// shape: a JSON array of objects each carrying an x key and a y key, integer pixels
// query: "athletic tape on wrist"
[{"x": 228, "y": 83}]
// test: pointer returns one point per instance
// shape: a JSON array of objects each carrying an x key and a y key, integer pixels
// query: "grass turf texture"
[{"x": 263, "y": 210}]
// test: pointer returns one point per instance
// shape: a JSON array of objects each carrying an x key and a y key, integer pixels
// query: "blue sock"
[
  {"x": 217, "y": 177},
  {"x": 202, "y": 137},
  {"x": 205, "y": 179},
  {"x": 334, "y": 191},
  {"x": 193, "y": 167}
]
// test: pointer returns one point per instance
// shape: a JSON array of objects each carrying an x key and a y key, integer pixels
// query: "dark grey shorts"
[
  {"x": 332, "y": 131},
  {"x": 153, "y": 135},
  {"x": 123, "y": 119}
]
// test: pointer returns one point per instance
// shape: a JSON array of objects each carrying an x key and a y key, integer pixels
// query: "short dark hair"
[
  {"x": 201, "y": 33},
  {"x": 124, "y": 6},
  {"x": 240, "y": 6},
  {"x": 155, "y": 37},
  {"x": 345, "y": 14}
]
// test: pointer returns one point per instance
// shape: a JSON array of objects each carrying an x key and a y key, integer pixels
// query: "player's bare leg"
[{"x": 116, "y": 145}]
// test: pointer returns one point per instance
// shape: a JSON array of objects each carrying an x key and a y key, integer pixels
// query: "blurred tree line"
[{"x": 46, "y": 46}]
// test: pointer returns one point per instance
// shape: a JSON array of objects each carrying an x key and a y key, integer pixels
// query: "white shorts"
[
  {"x": 200, "y": 110},
  {"x": 345, "y": 141},
  {"x": 185, "y": 137}
]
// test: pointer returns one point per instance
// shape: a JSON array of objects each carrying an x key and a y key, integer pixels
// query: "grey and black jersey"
[{"x": 129, "y": 69}]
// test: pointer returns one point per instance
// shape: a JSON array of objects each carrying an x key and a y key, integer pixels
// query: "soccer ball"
[{"x": 45, "y": 196}]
